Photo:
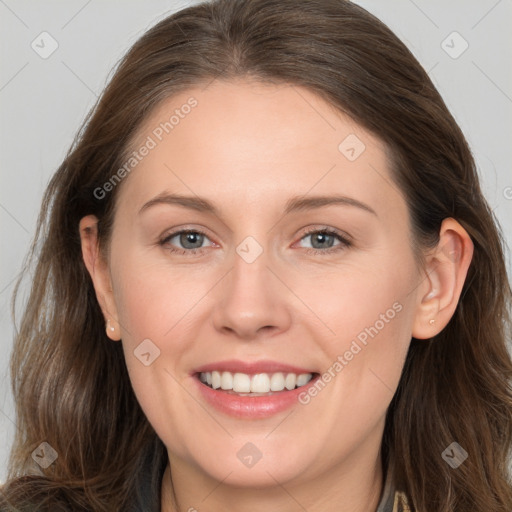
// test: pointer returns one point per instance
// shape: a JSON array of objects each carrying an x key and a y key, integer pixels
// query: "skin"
[{"x": 248, "y": 148}]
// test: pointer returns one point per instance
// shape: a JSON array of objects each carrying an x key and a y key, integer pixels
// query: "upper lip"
[{"x": 251, "y": 368}]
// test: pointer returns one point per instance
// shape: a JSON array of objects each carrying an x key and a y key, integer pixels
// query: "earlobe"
[
  {"x": 112, "y": 330},
  {"x": 98, "y": 270},
  {"x": 446, "y": 270}
]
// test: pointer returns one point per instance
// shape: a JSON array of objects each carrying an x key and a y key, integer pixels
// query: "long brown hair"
[{"x": 70, "y": 382}]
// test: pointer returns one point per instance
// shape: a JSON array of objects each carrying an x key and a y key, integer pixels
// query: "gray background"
[{"x": 43, "y": 102}]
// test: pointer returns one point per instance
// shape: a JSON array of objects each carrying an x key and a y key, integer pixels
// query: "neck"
[{"x": 353, "y": 486}]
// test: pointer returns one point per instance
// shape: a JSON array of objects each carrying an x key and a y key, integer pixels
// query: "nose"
[{"x": 252, "y": 301}]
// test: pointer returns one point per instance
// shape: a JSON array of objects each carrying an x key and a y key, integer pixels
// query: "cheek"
[
  {"x": 154, "y": 300},
  {"x": 361, "y": 301},
  {"x": 158, "y": 309},
  {"x": 369, "y": 313}
]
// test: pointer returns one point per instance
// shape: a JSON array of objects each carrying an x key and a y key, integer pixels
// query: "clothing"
[
  {"x": 148, "y": 490},
  {"x": 392, "y": 500}
]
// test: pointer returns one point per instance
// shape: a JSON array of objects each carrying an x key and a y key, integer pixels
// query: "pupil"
[
  {"x": 189, "y": 238},
  {"x": 323, "y": 236}
]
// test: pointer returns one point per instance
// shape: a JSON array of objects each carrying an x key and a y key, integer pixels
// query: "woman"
[{"x": 261, "y": 369}]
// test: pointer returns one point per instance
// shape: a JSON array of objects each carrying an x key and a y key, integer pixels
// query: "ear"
[
  {"x": 100, "y": 275},
  {"x": 446, "y": 271}
]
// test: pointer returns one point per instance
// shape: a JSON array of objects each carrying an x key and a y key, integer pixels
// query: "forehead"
[{"x": 246, "y": 141}]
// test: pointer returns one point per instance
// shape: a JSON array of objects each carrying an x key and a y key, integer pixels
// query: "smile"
[
  {"x": 254, "y": 385},
  {"x": 251, "y": 390}
]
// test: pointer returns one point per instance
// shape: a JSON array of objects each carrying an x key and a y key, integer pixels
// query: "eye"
[
  {"x": 191, "y": 241},
  {"x": 323, "y": 240}
]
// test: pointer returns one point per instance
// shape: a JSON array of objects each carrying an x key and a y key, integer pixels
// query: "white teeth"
[
  {"x": 290, "y": 381},
  {"x": 258, "y": 383},
  {"x": 226, "y": 380},
  {"x": 215, "y": 380},
  {"x": 277, "y": 382},
  {"x": 242, "y": 383},
  {"x": 302, "y": 379}
]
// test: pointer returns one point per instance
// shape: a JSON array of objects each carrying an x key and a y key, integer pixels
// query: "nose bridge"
[
  {"x": 250, "y": 275},
  {"x": 251, "y": 296}
]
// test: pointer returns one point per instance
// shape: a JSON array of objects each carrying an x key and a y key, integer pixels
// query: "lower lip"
[{"x": 252, "y": 407}]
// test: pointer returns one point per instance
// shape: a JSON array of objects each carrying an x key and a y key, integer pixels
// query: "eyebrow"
[{"x": 294, "y": 204}]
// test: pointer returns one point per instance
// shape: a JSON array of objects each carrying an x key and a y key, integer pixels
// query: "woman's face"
[{"x": 263, "y": 290}]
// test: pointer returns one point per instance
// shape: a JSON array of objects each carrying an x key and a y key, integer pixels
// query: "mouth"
[
  {"x": 254, "y": 385},
  {"x": 252, "y": 390}
]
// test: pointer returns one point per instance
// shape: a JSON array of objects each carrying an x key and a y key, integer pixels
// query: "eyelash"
[{"x": 344, "y": 242}]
